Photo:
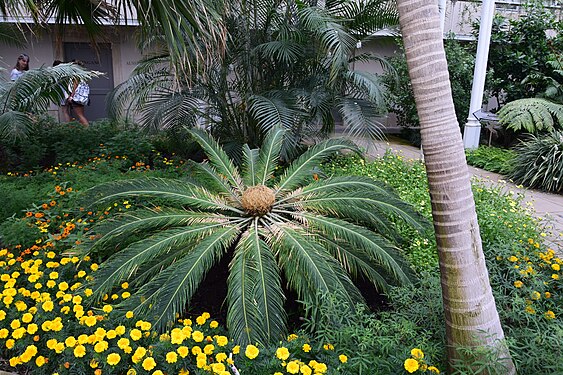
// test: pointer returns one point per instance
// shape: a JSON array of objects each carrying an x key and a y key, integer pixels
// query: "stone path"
[{"x": 547, "y": 206}]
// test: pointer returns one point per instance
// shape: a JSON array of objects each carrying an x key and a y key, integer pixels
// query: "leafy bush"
[
  {"x": 401, "y": 98},
  {"x": 51, "y": 143},
  {"x": 539, "y": 162},
  {"x": 492, "y": 159}
]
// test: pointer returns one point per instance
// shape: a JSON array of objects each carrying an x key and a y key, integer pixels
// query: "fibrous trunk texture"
[{"x": 470, "y": 311}]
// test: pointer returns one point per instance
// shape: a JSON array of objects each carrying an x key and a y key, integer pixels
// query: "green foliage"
[
  {"x": 460, "y": 66},
  {"x": 539, "y": 162},
  {"x": 286, "y": 64},
  {"x": 22, "y": 100},
  {"x": 408, "y": 180},
  {"x": 314, "y": 235},
  {"x": 492, "y": 159},
  {"x": 382, "y": 341},
  {"x": 50, "y": 144},
  {"x": 532, "y": 115},
  {"x": 519, "y": 54}
]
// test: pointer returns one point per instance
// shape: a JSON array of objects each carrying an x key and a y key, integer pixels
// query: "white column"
[
  {"x": 473, "y": 126},
  {"x": 442, "y": 8}
]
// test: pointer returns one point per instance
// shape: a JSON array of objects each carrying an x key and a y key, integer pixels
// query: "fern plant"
[
  {"x": 278, "y": 232},
  {"x": 532, "y": 115}
]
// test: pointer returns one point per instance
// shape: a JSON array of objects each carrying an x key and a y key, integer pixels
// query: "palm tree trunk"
[{"x": 470, "y": 312}]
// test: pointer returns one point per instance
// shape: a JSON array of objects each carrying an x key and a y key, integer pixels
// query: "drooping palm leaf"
[{"x": 532, "y": 115}]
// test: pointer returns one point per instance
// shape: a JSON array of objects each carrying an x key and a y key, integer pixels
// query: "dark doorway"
[{"x": 99, "y": 60}]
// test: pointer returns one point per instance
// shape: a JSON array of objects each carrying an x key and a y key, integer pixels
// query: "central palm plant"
[{"x": 279, "y": 232}]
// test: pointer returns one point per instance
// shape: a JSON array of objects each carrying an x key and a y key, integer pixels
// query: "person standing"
[
  {"x": 79, "y": 97},
  {"x": 22, "y": 66}
]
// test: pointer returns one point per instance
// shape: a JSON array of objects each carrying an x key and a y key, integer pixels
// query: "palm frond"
[
  {"x": 532, "y": 115},
  {"x": 256, "y": 301},
  {"x": 366, "y": 17},
  {"x": 218, "y": 158},
  {"x": 207, "y": 176},
  {"x": 269, "y": 155},
  {"x": 361, "y": 118},
  {"x": 179, "y": 192},
  {"x": 120, "y": 229},
  {"x": 14, "y": 125},
  {"x": 168, "y": 293},
  {"x": 296, "y": 250},
  {"x": 380, "y": 251},
  {"x": 283, "y": 51},
  {"x": 249, "y": 161},
  {"x": 122, "y": 265},
  {"x": 273, "y": 110},
  {"x": 300, "y": 170}
]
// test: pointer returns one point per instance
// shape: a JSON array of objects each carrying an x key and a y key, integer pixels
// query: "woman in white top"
[{"x": 22, "y": 66}]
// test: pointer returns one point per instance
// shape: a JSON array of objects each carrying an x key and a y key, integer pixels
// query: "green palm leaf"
[
  {"x": 218, "y": 158},
  {"x": 172, "y": 289},
  {"x": 269, "y": 155},
  {"x": 296, "y": 251},
  {"x": 122, "y": 265},
  {"x": 249, "y": 165},
  {"x": 378, "y": 249},
  {"x": 300, "y": 170},
  {"x": 256, "y": 301}
]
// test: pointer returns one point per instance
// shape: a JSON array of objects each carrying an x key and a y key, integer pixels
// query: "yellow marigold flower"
[
  {"x": 171, "y": 357},
  {"x": 79, "y": 351},
  {"x": 292, "y": 367},
  {"x": 4, "y": 333},
  {"x": 411, "y": 365},
  {"x": 10, "y": 343},
  {"x": 218, "y": 368},
  {"x": 18, "y": 333},
  {"x": 123, "y": 342},
  {"x": 15, "y": 324},
  {"x": 2, "y": 315},
  {"x": 111, "y": 334},
  {"x": 328, "y": 347},
  {"x": 535, "y": 295},
  {"x": 70, "y": 341},
  {"x": 90, "y": 321},
  {"x": 107, "y": 308},
  {"x": 94, "y": 267},
  {"x": 251, "y": 351},
  {"x": 54, "y": 275},
  {"x": 417, "y": 353},
  {"x": 282, "y": 353},
  {"x": 530, "y": 310},
  {"x": 131, "y": 371},
  {"x": 113, "y": 359},
  {"x": 547, "y": 295},
  {"x": 183, "y": 351},
  {"x": 433, "y": 369},
  {"x": 208, "y": 349},
  {"x": 555, "y": 276},
  {"x": 292, "y": 337},
  {"x": 101, "y": 346},
  {"x": 222, "y": 340},
  {"x": 518, "y": 284},
  {"x": 149, "y": 363},
  {"x": 513, "y": 258},
  {"x": 47, "y": 306},
  {"x": 214, "y": 324},
  {"x": 196, "y": 350},
  {"x": 120, "y": 330},
  {"x": 236, "y": 349},
  {"x": 40, "y": 361},
  {"x": 145, "y": 326},
  {"x": 27, "y": 317},
  {"x": 129, "y": 314},
  {"x": 158, "y": 372},
  {"x": 125, "y": 285},
  {"x": 81, "y": 274},
  {"x": 197, "y": 336},
  {"x": 125, "y": 295},
  {"x": 549, "y": 314},
  {"x": 343, "y": 358},
  {"x": 135, "y": 334},
  {"x": 306, "y": 348},
  {"x": 220, "y": 357}
]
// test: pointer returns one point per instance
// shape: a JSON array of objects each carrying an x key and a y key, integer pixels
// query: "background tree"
[
  {"x": 287, "y": 63},
  {"x": 470, "y": 312}
]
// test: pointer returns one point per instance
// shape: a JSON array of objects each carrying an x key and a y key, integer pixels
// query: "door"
[{"x": 99, "y": 60}]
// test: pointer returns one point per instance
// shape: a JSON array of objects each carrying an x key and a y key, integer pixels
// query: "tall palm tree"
[
  {"x": 287, "y": 63},
  {"x": 470, "y": 312},
  {"x": 287, "y": 230}
]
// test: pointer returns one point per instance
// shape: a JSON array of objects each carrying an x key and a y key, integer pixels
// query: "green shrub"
[
  {"x": 492, "y": 159},
  {"x": 539, "y": 162}
]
